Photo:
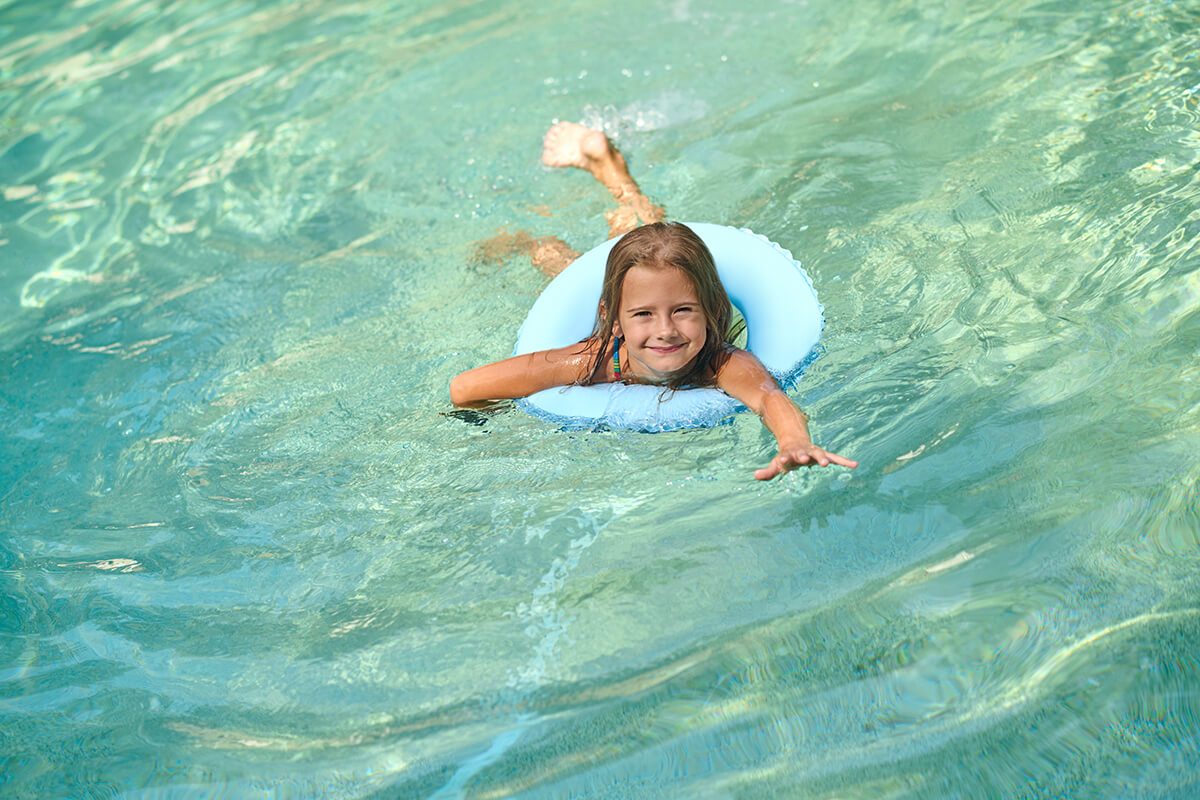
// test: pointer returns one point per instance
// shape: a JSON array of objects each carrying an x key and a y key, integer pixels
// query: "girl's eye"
[
  {"x": 684, "y": 310},
  {"x": 641, "y": 313}
]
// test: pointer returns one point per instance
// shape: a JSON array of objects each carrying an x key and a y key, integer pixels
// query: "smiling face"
[
  {"x": 662, "y": 274},
  {"x": 660, "y": 321}
]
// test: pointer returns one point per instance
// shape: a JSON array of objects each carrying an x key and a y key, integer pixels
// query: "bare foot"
[
  {"x": 502, "y": 246},
  {"x": 548, "y": 254},
  {"x": 569, "y": 144},
  {"x": 551, "y": 255}
]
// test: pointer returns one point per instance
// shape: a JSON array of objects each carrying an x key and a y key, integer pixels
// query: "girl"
[{"x": 663, "y": 319}]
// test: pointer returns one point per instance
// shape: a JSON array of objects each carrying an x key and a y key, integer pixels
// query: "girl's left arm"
[{"x": 745, "y": 379}]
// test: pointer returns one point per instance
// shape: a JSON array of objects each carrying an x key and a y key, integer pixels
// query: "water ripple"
[{"x": 245, "y": 550}]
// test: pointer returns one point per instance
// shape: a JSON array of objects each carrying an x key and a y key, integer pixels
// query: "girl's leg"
[
  {"x": 548, "y": 253},
  {"x": 569, "y": 144}
]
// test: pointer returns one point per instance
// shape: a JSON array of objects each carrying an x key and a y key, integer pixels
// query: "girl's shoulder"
[
  {"x": 710, "y": 373},
  {"x": 580, "y": 356},
  {"x": 592, "y": 355},
  {"x": 728, "y": 355},
  {"x": 734, "y": 363},
  {"x": 731, "y": 352}
]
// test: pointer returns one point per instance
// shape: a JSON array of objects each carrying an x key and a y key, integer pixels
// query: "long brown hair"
[{"x": 664, "y": 245}]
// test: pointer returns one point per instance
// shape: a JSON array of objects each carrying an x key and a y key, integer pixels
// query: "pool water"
[{"x": 246, "y": 552}]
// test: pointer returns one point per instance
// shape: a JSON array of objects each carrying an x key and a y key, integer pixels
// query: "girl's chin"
[{"x": 649, "y": 374}]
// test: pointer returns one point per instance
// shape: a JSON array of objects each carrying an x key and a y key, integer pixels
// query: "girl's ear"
[{"x": 616, "y": 326}]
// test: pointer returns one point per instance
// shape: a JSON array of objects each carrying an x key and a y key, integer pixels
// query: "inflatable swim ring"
[{"x": 770, "y": 289}]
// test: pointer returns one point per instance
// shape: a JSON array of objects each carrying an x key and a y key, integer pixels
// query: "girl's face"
[{"x": 660, "y": 321}]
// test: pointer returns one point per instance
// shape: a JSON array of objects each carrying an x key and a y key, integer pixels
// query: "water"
[{"x": 245, "y": 553}]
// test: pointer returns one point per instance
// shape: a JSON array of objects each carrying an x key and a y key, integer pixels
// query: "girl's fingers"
[
  {"x": 769, "y": 471},
  {"x": 786, "y": 462},
  {"x": 843, "y": 461},
  {"x": 818, "y": 457},
  {"x": 803, "y": 459}
]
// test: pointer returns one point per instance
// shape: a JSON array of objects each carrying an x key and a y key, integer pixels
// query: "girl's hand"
[{"x": 801, "y": 455}]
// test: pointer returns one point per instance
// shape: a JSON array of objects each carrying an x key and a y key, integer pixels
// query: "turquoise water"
[{"x": 245, "y": 553}]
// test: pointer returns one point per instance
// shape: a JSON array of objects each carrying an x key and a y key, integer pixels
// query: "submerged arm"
[{"x": 746, "y": 380}]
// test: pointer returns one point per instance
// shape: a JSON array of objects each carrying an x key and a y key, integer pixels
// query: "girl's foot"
[
  {"x": 549, "y": 254},
  {"x": 569, "y": 144}
]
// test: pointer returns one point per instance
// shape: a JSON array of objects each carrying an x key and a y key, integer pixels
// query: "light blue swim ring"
[{"x": 771, "y": 290}]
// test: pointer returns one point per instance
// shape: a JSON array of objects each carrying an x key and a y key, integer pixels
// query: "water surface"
[{"x": 244, "y": 551}]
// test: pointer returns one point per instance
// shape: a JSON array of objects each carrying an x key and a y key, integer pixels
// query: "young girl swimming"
[{"x": 663, "y": 318}]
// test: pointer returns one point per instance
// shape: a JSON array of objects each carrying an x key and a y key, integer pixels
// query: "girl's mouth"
[{"x": 662, "y": 351}]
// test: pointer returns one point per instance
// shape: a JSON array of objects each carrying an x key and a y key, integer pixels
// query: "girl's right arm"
[{"x": 521, "y": 376}]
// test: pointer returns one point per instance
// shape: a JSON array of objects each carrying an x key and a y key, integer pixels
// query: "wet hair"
[{"x": 664, "y": 245}]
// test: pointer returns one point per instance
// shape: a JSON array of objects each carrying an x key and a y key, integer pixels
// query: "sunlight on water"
[{"x": 246, "y": 551}]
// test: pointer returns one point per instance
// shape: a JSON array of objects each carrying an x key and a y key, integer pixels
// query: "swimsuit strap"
[{"x": 617, "y": 357}]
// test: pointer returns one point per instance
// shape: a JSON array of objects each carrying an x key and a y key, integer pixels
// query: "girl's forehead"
[
  {"x": 653, "y": 282},
  {"x": 657, "y": 275}
]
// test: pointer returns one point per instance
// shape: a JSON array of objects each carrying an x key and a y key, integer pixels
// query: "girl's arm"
[
  {"x": 746, "y": 380},
  {"x": 521, "y": 376}
]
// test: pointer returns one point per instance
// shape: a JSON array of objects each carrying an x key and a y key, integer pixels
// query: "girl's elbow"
[
  {"x": 465, "y": 392},
  {"x": 459, "y": 395}
]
